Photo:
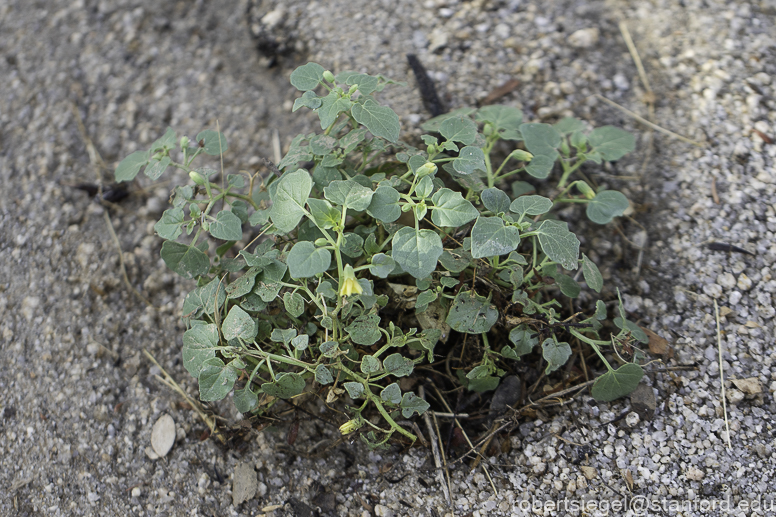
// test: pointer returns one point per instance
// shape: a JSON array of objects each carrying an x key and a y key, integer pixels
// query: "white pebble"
[
  {"x": 744, "y": 282},
  {"x": 726, "y": 280},
  {"x": 632, "y": 419},
  {"x": 584, "y": 38}
]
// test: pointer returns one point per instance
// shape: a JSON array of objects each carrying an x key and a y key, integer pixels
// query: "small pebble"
[{"x": 163, "y": 435}]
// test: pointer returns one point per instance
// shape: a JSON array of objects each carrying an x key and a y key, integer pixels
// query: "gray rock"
[{"x": 244, "y": 483}]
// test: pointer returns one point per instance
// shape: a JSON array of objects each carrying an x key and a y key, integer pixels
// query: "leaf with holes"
[
  {"x": 398, "y": 365},
  {"x": 214, "y": 142},
  {"x": 471, "y": 313},
  {"x": 391, "y": 394},
  {"x": 411, "y": 403},
  {"x": 365, "y": 330}
]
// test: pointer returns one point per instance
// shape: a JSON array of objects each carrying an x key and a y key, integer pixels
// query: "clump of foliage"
[{"x": 316, "y": 305}]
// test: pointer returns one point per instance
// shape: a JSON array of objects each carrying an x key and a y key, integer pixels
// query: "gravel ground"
[{"x": 78, "y": 400}]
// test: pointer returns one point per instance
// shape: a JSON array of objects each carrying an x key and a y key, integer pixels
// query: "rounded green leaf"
[
  {"x": 471, "y": 313},
  {"x": 416, "y": 251},
  {"x": 531, "y": 205},
  {"x": 411, "y": 403},
  {"x": 169, "y": 226},
  {"x": 384, "y": 205},
  {"x": 370, "y": 364},
  {"x": 559, "y": 243},
  {"x": 606, "y": 205},
  {"x": 290, "y": 197},
  {"x": 130, "y": 166},
  {"x": 323, "y": 375},
  {"x": 354, "y": 389},
  {"x": 294, "y": 304},
  {"x": 227, "y": 226},
  {"x": 523, "y": 341},
  {"x": 365, "y": 330},
  {"x": 495, "y": 200},
  {"x": 556, "y": 354},
  {"x": 398, "y": 365},
  {"x": 301, "y": 342},
  {"x": 459, "y": 129},
  {"x": 451, "y": 209},
  {"x": 348, "y": 193},
  {"x": 199, "y": 344},
  {"x": 157, "y": 167},
  {"x": 541, "y": 139},
  {"x": 505, "y": 119},
  {"x": 245, "y": 399},
  {"x": 540, "y": 166},
  {"x": 391, "y": 394},
  {"x": 214, "y": 142},
  {"x": 381, "y": 121},
  {"x": 469, "y": 159},
  {"x": 307, "y": 77},
  {"x": 382, "y": 265},
  {"x": 305, "y": 260},
  {"x": 286, "y": 386},
  {"x": 612, "y": 143},
  {"x": 491, "y": 237},
  {"x": 187, "y": 261},
  {"x": 617, "y": 383},
  {"x": 216, "y": 380},
  {"x": 592, "y": 275},
  {"x": 239, "y": 324}
]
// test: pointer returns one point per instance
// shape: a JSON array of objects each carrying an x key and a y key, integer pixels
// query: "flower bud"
[
  {"x": 320, "y": 242},
  {"x": 350, "y": 426},
  {"x": 426, "y": 169},
  {"x": 184, "y": 142},
  {"x": 349, "y": 283},
  {"x": 197, "y": 178},
  {"x": 523, "y": 156},
  {"x": 353, "y": 89},
  {"x": 585, "y": 189},
  {"x": 328, "y": 76}
]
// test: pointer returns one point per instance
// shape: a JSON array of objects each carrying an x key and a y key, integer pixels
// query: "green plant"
[{"x": 312, "y": 302}]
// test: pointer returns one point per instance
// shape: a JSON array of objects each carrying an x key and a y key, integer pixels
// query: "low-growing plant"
[{"x": 323, "y": 302}]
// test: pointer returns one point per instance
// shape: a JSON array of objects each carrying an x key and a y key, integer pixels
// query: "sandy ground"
[{"x": 78, "y": 398}]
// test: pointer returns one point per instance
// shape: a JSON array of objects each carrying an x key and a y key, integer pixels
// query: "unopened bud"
[
  {"x": 426, "y": 169},
  {"x": 585, "y": 189},
  {"x": 320, "y": 242},
  {"x": 353, "y": 89},
  {"x": 197, "y": 178},
  {"x": 184, "y": 142},
  {"x": 523, "y": 156},
  {"x": 328, "y": 76}
]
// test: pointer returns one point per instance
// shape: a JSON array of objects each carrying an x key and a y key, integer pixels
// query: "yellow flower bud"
[
  {"x": 350, "y": 426},
  {"x": 522, "y": 156},
  {"x": 349, "y": 283},
  {"x": 585, "y": 189}
]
